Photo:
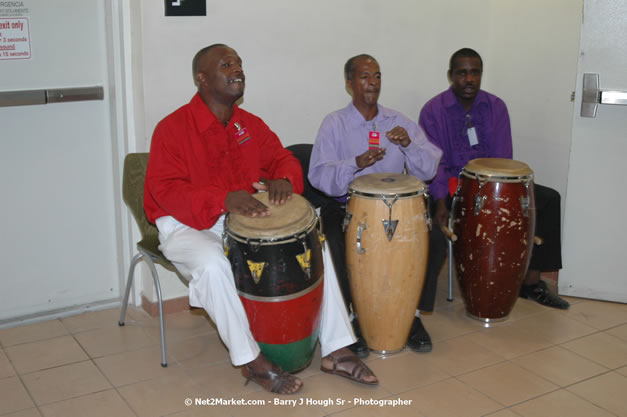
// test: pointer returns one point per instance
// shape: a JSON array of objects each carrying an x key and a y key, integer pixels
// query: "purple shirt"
[
  {"x": 446, "y": 123},
  {"x": 343, "y": 136}
]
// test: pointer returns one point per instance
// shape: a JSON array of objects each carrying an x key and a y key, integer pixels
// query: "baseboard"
[{"x": 173, "y": 305}]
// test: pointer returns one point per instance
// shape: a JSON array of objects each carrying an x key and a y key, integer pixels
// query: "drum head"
[
  {"x": 497, "y": 167},
  {"x": 288, "y": 219},
  {"x": 386, "y": 184}
]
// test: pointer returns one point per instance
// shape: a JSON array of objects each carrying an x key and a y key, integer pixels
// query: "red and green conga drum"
[{"x": 278, "y": 270}]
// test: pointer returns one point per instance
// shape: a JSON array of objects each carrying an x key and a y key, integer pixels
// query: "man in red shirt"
[{"x": 206, "y": 159}]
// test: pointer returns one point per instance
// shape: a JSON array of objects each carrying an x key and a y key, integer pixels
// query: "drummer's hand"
[
  {"x": 441, "y": 213},
  {"x": 399, "y": 136},
  {"x": 279, "y": 191},
  {"x": 369, "y": 157},
  {"x": 241, "y": 202}
]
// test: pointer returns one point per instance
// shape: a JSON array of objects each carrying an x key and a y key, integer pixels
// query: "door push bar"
[
  {"x": 593, "y": 96},
  {"x": 53, "y": 95}
]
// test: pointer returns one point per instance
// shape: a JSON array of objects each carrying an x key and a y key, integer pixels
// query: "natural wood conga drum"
[
  {"x": 278, "y": 270},
  {"x": 387, "y": 244},
  {"x": 493, "y": 216}
]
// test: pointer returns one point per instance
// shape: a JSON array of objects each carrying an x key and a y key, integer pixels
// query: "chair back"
[
  {"x": 133, "y": 178},
  {"x": 302, "y": 152}
]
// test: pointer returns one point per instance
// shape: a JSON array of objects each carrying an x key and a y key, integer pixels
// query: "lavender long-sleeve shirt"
[
  {"x": 446, "y": 123},
  {"x": 343, "y": 136}
]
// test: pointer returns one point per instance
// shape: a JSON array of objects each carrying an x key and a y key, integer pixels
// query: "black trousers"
[{"x": 333, "y": 214}]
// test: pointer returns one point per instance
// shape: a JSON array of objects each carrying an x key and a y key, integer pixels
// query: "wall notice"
[{"x": 14, "y": 38}]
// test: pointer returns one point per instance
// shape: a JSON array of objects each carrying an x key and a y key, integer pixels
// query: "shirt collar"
[
  {"x": 358, "y": 119},
  {"x": 203, "y": 117},
  {"x": 450, "y": 100}
]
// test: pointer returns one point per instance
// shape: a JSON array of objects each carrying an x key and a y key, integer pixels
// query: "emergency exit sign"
[{"x": 186, "y": 7}]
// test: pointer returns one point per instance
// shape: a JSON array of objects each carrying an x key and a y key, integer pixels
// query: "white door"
[
  {"x": 58, "y": 237},
  {"x": 595, "y": 225}
]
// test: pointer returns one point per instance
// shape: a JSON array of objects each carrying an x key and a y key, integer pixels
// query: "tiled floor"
[{"x": 540, "y": 363}]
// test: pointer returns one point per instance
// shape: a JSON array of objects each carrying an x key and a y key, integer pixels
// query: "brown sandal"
[
  {"x": 357, "y": 372},
  {"x": 274, "y": 380}
]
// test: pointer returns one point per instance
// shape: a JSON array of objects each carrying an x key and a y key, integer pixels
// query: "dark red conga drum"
[
  {"x": 278, "y": 270},
  {"x": 493, "y": 216}
]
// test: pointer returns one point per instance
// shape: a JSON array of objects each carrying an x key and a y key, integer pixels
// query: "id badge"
[
  {"x": 472, "y": 136},
  {"x": 241, "y": 135},
  {"x": 373, "y": 140}
]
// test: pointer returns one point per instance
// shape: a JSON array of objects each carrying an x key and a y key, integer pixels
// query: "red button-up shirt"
[{"x": 195, "y": 162}]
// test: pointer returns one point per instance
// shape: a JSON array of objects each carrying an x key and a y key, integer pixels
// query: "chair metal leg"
[
  {"x": 155, "y": 279},
  {"x": 450, "y": 270},
  {"x": 129, "y": 284}
]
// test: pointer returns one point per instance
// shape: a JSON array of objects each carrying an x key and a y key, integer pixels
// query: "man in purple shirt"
[
  {"x": 468, "y": 123},
  {"x": 341, "y": 153}
]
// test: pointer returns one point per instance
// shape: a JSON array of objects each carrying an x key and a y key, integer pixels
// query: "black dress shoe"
[
  {"x": 540, "y": 293},
  {"x": 360, "y": 347},
  {"x": 419, "y": 340}
]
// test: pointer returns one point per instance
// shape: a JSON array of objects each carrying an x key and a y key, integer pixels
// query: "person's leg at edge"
[
  {"x": 333, "y": 214},
  {"x": 548, "y": 256},
  {"x": 336, "y": 332},
  {"x": 199, "y": 257}
]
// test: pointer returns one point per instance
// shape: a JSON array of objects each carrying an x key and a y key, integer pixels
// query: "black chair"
[{"x": 302, "y": 152}]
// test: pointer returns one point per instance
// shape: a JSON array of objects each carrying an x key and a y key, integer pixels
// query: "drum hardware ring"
[
  {"x": 347, "y": 221},
  {"x": 254, "y": 246},
  {"x": 479, "y": 199},
  {"x": 360, "y": 228}
]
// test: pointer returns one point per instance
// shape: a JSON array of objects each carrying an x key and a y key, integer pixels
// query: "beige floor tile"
[
  {"x": 503, "y": 413},
  {"x": 618, "y": 331},
  {"x": 179, "y": 326},
  {"x": 13, "y": 396},
  {"x": 555, "y": 326},
  {"x": 206, "y": 411},
  {"x": 601, "y": 348},
  {"x": 35, "y": 356},
  {"x": 406, "y": 370},
  {"x": 323, "y": 386},
  {"x": 111, "y": 340},
  {"x": 510, "y": 340},
  {"x": 507, "y": 383},
  {"x": 607, "y": 391},
  {"x": 167, "y": 395},
  {"x": 138, "y": 365},
  {"x": 450, "y": 398},
  {"x": 276, "y": 405},
  {"x": 101, "y": 404},
  {"x": 407, "y": 409},
  {"x": 559, "y": 403},
  {"x": 6, "y": 369},
  {"x": 65, "y": 382},
  {"x": 32, "y": 412},
  {"x": 598, "y": 314},
  {"x": 450, "y": 323},
  {"x": 622, "y": 371},
  {"x": 526, "y": 308},
  {"x": 461, "y": 355},
  {"x": 199, "y": 351},
  {"x": 560, "y": 366},
  {"x": 96, "y": 320},
  {"x": 32, "y": 333}
]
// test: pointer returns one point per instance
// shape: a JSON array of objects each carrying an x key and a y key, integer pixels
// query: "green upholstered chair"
[{"x": 135, "y": 165}]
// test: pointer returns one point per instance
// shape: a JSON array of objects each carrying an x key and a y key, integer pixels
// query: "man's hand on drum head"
[
  {"x": 241, "y": 202},
  {"x": 279, "y": 191},
  {"x": 369, "y": 157},
  {"x": 399, "y": 136}
]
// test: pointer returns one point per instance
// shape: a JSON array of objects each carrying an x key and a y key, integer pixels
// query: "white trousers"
[{"x": 199, "y": 256}]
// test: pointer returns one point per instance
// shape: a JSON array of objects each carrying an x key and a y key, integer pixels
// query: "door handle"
[{"x": 593, "y": 96}]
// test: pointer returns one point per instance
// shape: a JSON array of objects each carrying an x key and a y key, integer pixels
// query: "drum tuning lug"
[
  {"x": 347, "y": 221},
  {"x": 479, "y": 201},
  {"x": 524, "y": 204},
  {"x": 360, "y": 229},
  {"x": 254, "y": 246},
  {"x": 225, "y": 245}
]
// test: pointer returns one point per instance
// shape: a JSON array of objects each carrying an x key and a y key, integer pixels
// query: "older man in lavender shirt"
[
  {"x": 341, "y": 153},
  {"x": 468, "y": 123}
]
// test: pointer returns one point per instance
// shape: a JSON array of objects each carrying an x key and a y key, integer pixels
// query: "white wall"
[{"x": 294, "y": 52}]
